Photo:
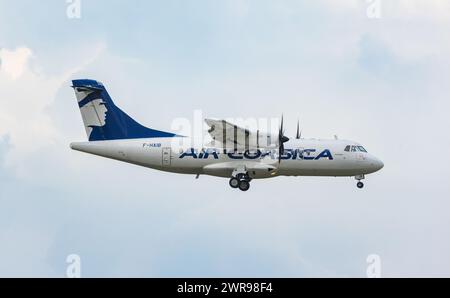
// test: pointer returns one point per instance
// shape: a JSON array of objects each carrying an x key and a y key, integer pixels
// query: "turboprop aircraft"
[{"x": 235, "y": 153}]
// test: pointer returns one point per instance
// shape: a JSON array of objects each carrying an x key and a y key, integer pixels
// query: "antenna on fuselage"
[{"x": 299, "y": 133}]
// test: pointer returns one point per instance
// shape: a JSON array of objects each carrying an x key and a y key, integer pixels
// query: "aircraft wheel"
[
  {"x": 244, "y": 185},
  {"x": 234, "y": 183},
  {"x": 360, "y": 185}
]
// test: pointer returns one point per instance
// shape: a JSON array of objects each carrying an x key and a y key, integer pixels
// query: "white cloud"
[
  {"x": 25, "y": 96},
  {"x": 14, "y": 62}
]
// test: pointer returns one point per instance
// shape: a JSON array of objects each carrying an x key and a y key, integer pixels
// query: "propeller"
[{"x": 281, "y": 140}]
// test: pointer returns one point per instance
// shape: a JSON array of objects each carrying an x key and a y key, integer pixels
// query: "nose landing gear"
[{"x": 360, "y": 185}]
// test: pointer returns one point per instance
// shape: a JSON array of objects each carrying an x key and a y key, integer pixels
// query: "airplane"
[{"x": 235, "y": 153}]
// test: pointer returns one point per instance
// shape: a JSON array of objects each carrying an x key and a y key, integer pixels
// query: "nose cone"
[{"x": 376, "y": 164}]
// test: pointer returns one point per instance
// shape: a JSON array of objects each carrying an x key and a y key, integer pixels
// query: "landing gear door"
[{"x": 166, "y": 157}]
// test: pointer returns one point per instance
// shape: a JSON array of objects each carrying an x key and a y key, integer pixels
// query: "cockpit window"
[
  {"x": 350, "y": 148},
  {"x": 362, "y": 149}
]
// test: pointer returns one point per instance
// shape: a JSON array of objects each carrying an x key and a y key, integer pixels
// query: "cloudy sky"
[{"x": 377, "y": 76}]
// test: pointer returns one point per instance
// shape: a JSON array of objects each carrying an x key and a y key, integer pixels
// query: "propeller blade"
[
  {"x": 280, "y": 153},
  {"x": 281, "y": 139},
  {"x": 299, "y": 134}
]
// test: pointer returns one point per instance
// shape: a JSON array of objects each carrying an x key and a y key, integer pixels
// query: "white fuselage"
[{"x": 303, "y": 157}]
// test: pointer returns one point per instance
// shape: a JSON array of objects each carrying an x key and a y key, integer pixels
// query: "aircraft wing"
[{"x": 230, "y": 135}]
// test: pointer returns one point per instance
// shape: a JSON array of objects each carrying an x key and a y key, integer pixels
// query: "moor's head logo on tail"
[{"x": 103, "y": 120}]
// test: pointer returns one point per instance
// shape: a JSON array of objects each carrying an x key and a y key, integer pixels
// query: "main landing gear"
[
  {"x": 241, "y": 181},
  {"x": 360, "y": 185}
]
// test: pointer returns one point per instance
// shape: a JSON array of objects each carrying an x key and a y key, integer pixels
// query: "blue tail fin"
[{"x": 103, "y": 120}]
